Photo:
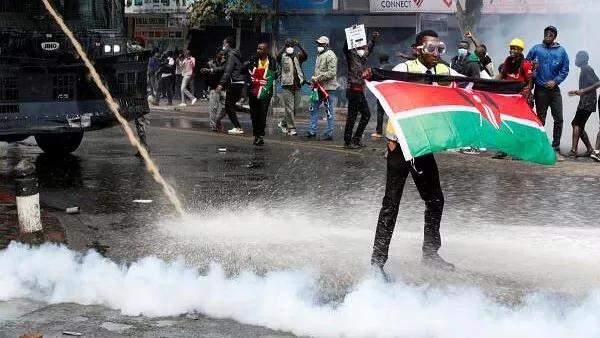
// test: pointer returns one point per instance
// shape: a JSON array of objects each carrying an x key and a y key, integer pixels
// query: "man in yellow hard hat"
[{"x": 517, "y": 68}]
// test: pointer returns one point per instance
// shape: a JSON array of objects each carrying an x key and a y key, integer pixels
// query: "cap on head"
[
  {"x": 323, "y": 40},
  {"x": 551, "y": 29},
  {"x": 517, "y": 43}
]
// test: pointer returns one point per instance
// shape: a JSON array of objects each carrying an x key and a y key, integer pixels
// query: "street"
[{"x": 512, "y": 228}]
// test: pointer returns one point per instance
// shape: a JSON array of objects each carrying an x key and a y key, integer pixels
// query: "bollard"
[{"x": 28, "y": 198}]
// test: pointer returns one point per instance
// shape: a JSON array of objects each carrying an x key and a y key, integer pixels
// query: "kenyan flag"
[
  {"x": 262, "y": 82},
  {"x": 431, "y": 118}
]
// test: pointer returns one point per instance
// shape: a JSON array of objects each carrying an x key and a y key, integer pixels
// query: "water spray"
[{"x": 114, "y": 107}]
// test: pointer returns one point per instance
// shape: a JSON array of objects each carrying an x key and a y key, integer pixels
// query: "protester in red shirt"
[{"x": 517, "y": 68}]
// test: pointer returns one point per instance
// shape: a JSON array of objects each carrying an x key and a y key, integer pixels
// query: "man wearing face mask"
[
  {"x": 357, "y": 63},
  {"x": 428, "y": 49},
  {"x": 552, "y": 69},
  {"x": 325, "y": 75},
  {"x": 460, "y": 60},
  {"x": 233, "y": 82},
  {"x": 292, "y": 78}
]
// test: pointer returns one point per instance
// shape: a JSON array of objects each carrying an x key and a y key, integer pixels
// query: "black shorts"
[{"x": 581, "y": 117}]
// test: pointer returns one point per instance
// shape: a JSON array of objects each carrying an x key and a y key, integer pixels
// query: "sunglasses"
[{"x": 438, "y": 48}]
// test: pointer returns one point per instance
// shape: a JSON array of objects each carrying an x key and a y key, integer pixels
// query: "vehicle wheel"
[{"x": 59, "y": 144}]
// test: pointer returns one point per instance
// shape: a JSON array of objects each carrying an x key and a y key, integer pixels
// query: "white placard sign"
[{"x": 356, "y": 36}]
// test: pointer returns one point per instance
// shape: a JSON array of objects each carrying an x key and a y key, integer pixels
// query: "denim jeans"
[{"x": 329, "y": 106}]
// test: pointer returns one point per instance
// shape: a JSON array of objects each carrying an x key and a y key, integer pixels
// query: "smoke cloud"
[{"x": 285, "y": 300}]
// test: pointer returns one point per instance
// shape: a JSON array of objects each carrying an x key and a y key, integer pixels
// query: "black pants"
[
  {"x": 545, "y": 98},
  {"x": 166, "y": 87},
  {"x": 233, "y": 95},
  {"x": 427, "y": 180},
  {"x": 357, "y": 103},
  {"x": 258, "y": 113},
  {"x": 380, "y": 114}
]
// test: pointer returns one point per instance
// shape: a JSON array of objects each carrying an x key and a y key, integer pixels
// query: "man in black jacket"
[
  {"x": 232, "y": 82},
  {"x": 357, "y": 102}
]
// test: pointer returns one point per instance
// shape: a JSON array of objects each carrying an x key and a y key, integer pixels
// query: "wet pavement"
[{"x": 510, "y": 227}]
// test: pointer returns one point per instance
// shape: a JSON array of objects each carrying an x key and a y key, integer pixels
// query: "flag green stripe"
[{"x": 455, "y": 129}]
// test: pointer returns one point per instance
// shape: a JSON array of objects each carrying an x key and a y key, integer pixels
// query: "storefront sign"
[
  {"x": 531, "y": 6},
  {"x": 413, "y": 6},
  {"x": 287, "y": 5},
  {"x": 156, "y": 6}
]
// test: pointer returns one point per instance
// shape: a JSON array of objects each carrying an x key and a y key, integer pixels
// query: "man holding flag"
[{"x": 423, "y": 169}]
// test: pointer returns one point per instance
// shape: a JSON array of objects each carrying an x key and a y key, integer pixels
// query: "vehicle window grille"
[
  {"x": 9, "y": 109},
  {"x": 9, "y": 89},
  {"x": 127, "y": 83},
  {"x": 64, "y": 86}
]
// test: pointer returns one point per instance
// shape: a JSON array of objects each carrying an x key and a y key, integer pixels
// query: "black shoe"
[
  {"x": 255, "y": 142},
  {"x": 309, "y": 135},
  {"x": 359, "y": 144},
  {"x": 351, "y": 146},
  {"x": 259, "y": 141},
  {"x": 327, "y": 138},
  {"x": 435, "y": 261}
]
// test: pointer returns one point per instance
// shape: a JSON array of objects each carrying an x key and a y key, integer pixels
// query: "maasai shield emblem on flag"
[{"x": 431, "y": 118}]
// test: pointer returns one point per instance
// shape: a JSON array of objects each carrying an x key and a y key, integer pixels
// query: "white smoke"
[{"x": 285, "y": 300}]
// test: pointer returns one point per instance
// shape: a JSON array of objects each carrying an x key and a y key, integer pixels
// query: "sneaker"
[
  {"x": 282, "y": 127},
  {"x": 260, "y": 142},
  {"x": 351, "y": 146},
  {"x": 435, "y": 261},
  {"x": 469, "y": 151},
  {"x": 292, "y": 132},
  {"x": 327, "y": 138},
  {"x": 182, "y": 104},
  {"x": 235, "y": 131},
  {"x": 559, "y": 157},
  {"x": 310, "y": 135},
  {"x": 572, "y": 154},
  {"x": 595, "y": 155},
  {"x": 359, "y": 144},
  {"x": 376, "y": 135},
  {"x": 194, "y": 100}
]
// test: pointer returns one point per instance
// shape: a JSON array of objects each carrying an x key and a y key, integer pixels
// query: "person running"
[
  {"x": 423, "y": 169},
  {"x": 262, "y": 69},
  {"x": 232, "y": 82},
  {"x": 385, "y": 64},
  {"x": 324, "y": 75},
  {"x": 216, "y": 99},
  {"x": 292, "y": 79},
  {"x": 588, "y": 81},
  {"x": 517, "y": 68},
  {"x": 187, "y": 65},
  {"x": 552, "y": 69}
]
